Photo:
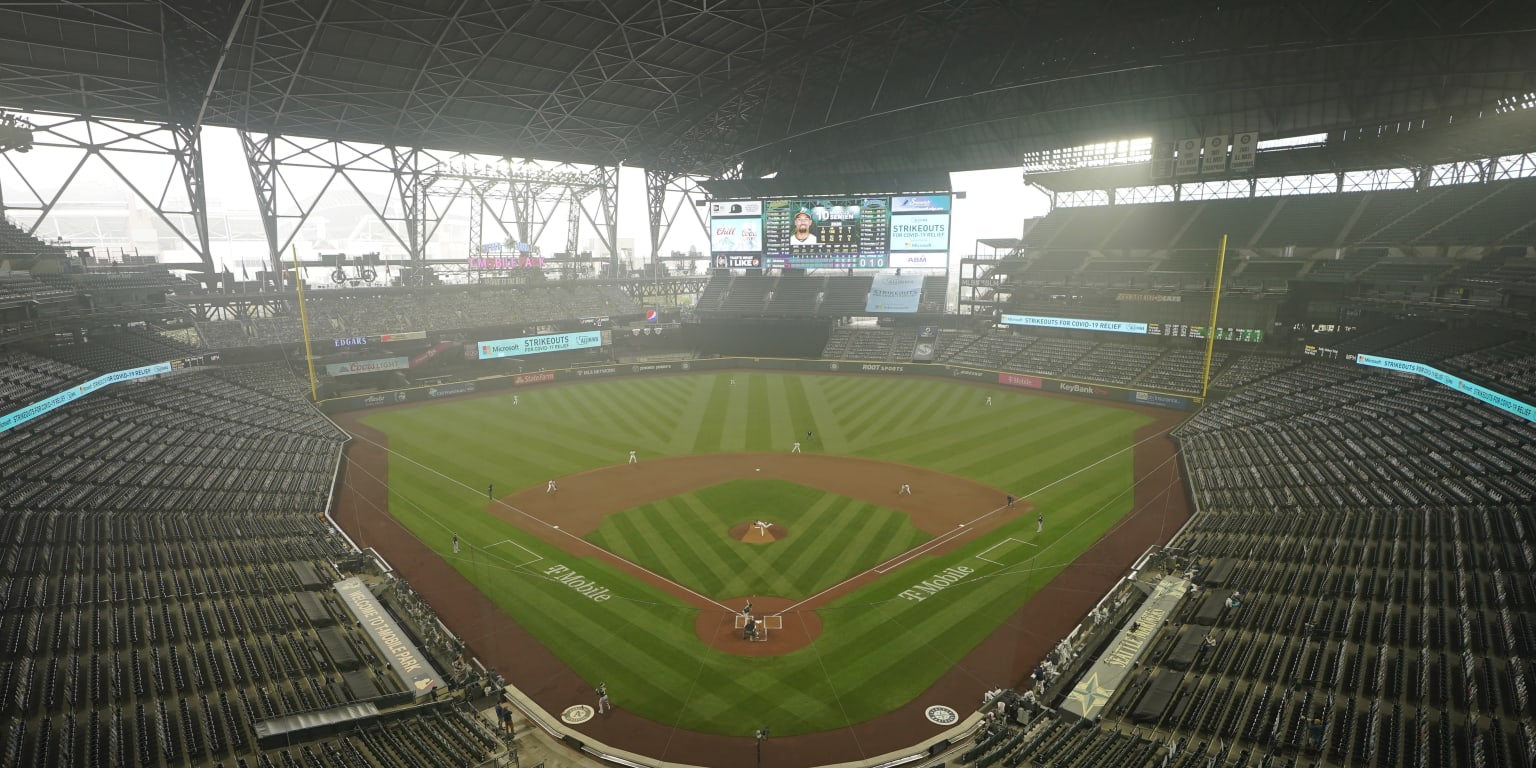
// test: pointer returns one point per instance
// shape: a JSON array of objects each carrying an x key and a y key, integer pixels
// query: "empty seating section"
[
  {"x": 1054, "y": 267},
  {"x": 1337, "y": 435},
  {"x": 164, "y": 575},
  {"x": 19, "y": 288},
  {"x": 341, "y": 314},
  {"x": 846, "y": 296},
  {"x": 991, "y": 352},
  {"x": 1312, "y": 221},
  {"x": 747, "y": 295},
  {"x": 1265, "y": 273},
  {"x": 1113, "y": 363},
  {"x": 1246, "y": 369},
  {"x": 1181, "y": 370},
  {"x": 1464, "y": 214},
  {"x": 25, "y": 378},
  {"x": 15, "y": 243},
  {"x": 872, "y": 344},
  {"x": 1509, "y": 367},
  {"x": 796, "y": 295},
  {"x": 1048, "y": 357},
  {"x": 1402, "y": 633},
  {"x": 1186, "y": 269},
  {"x": 1116, "y": 273}
]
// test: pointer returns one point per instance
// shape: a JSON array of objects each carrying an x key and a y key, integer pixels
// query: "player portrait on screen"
[{"x": 800, "y": 228}]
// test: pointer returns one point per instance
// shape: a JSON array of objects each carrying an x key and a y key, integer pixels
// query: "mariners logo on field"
[
  {"x": 577, "y": 715},
  {"x": 939, "y": 714}
]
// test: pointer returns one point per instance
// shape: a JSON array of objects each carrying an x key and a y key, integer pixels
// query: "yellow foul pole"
[
  {"x": 309, "y": 358},
  {"x": 1210, "y": 329}
]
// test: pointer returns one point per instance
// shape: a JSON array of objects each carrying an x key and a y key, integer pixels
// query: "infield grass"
[
  {"x": 687, "y": 538},
  {"x": 878, "y": 650}
]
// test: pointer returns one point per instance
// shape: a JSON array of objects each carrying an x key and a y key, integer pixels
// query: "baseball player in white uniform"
[{"x": 551, "y": 487}]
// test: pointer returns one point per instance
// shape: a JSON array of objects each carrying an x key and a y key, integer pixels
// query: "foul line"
[
  {"x": 978, "y": 555},
  {"x": 550, "y": 526},
  {"x": 536, "y": 556},
  {"x": 964, "y": 528}
]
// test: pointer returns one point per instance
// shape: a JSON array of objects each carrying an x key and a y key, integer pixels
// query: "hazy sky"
[{"x": 997, "y": 201}]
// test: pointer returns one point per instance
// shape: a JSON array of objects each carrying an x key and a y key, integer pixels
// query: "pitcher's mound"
[{"x": 753, "y": 534}]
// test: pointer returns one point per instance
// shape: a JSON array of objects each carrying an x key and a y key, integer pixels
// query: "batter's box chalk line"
[{"x": 999, "y": 544}]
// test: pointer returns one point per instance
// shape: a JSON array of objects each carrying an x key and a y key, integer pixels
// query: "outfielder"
[
  {"x": 455, "y": 543},
  {"x": 1040, "y": 523},
  {"x": 989, "y": 400},
  {"x": 514, "y": 399},
  {"x": 795, "y": 448},
  {"x": 551, "y": 487}
]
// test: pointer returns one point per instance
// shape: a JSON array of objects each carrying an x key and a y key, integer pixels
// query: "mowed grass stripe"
[
  {"x": 650, "y": 417},
  {"x": 896, "y": 403},
  {"x": 685, "y": 436},
  {"x": 758, "y": 435},
  {"x": 829, "y": 434},
  {"x": 733, "y": 434},
  {"x": 663, "y": 552},
  {"x": 711, "y": 432},
  {"x": 799, "y": 410},
  {"x": 781, "y": 419}
]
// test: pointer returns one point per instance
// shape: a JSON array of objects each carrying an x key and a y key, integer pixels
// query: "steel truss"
[
  {"x": 175, "y": 192},
  {"x": 534, "y": 191},
  {"x": 668, "y": 194},
  {"x": 291, "y": 175}
]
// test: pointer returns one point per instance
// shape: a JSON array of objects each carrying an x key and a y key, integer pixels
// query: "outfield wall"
[{"x": 930, "y": 370}]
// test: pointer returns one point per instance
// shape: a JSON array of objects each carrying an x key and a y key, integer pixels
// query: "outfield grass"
[
  {"x": 878, "y": 651},
  {"x": 687, "y": 539}
]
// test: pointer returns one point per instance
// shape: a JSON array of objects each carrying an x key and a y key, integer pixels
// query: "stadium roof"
[{"x": 831, "y": 85}]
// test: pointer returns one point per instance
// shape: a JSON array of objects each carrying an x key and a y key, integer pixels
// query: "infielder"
[
  {"x": 455, "y": 543},
  {"x": 551, "y": 487},
  {"x": 632, "y": 458},
  {"x": 1039, "y": 523},
  {"x": 906, "y": 490},
  {"x": 795, "y": 448}
]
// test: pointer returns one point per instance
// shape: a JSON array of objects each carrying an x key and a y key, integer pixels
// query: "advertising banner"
[
  {"x": 929, "y": 233},
  {"x": 1015, "y": 380},
  {"x": 1075, "y": 324},
  {"x": 396, "y": 647},
  {"x": 537, "y": 345},
  {"x": 1476, "y": 391},
  {"x": 1161, "y": 401},
  {"x": 920, "y": 204},
  {"x": 893, "y": 294},
  {"x": 409, "y": 336},
  {"x": 368, "y": 366},
  {"x": 919, "y": 260},
  {"x": 30, "y": 412}
]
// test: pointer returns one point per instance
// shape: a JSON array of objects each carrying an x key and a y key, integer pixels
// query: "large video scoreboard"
[{"x": 848, "y": 232}]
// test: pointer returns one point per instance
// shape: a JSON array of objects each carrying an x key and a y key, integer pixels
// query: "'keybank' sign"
[{"x": 536, "y": 345}]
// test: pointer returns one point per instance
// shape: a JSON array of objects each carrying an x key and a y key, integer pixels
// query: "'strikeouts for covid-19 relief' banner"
[
  {"x": 537, "y": 345},
  {"x": 893, "y": 294}
]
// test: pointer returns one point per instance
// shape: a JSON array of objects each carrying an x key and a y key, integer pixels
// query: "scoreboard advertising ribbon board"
[
  {"x": 847, "y": 232},
  {"x": 535, "y": 345}
]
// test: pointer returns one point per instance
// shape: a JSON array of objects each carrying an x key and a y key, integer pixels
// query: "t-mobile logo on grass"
[
  {"x": 574, "y": 580},
  {"x": 919, "y": 592}
]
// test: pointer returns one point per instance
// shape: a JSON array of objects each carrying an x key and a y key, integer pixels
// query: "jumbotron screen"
[{"x": 849, "y": 232}]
